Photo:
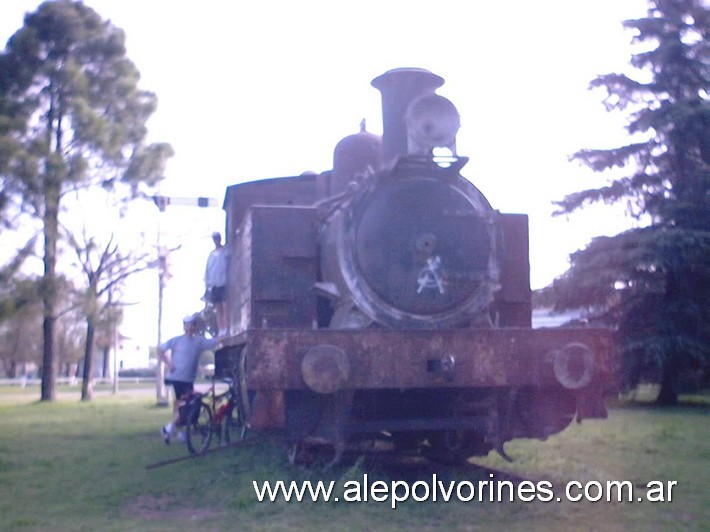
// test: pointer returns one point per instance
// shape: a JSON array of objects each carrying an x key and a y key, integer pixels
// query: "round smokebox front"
[{"x": 423, "y": 248}]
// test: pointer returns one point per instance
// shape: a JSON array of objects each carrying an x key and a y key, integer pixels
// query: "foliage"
[
  {"x": 21, "y": 329},
  {"x": 20, "y": 334},
  {"x": 71, "y": 116},
  {"x": 652, "y": 282},
  {"x": 15, "y": 293}
]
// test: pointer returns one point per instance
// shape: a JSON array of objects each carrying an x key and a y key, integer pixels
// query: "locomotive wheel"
[
  {"x": 542, "y": 413},
  {"x": 243, "y": 406},
  {"x": 303, "y": 412},
  {"x": 242, "y": 410},
  {"x": 454, "y": 447},
  {"x": 451, "y": 447},
  {"x": 310, "y": 453},
  {"x": 292, "y": 453},
  {"x": 314, "y": 427},
  {"x": 233, "y": 426},
  {"x": 407, "y": 441}
]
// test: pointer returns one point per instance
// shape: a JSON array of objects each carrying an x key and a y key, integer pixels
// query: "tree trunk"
[
  {"x": 107, "y": 361},
  {"x": 51, "y": 189},
  {"x": 49, "y": 289},
  {"x": 87, "y": 386}
]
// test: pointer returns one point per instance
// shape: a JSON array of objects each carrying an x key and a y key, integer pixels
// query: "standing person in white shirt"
[
  {"x": 216, "y": 282},
  {"x": 185, "y": 351}
]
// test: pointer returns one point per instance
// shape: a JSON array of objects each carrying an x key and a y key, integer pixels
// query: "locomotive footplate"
[{"x": 324, "y": 361}]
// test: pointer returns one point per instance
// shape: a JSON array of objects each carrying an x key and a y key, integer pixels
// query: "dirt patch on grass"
[{"x": 155, "y": 507}]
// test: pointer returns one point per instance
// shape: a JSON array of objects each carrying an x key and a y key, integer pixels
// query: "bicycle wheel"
[
  {"x": 233, "y": 426},
  {"x": 198, "y": 431}
]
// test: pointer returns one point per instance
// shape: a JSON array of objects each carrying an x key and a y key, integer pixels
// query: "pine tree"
[
  {"x": 652, "y": 282},
  {"x": 71, "y": 116}
]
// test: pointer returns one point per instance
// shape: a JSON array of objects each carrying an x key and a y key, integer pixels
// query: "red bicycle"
[{"x": 217, "y": 413}]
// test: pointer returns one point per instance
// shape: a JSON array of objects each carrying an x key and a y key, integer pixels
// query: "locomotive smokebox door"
[
  {"x": 418, "y": 251},
  {"x": 421, "y": 246}
]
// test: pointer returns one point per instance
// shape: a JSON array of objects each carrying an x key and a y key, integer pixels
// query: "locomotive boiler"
[{"x": 386, "y": 300}]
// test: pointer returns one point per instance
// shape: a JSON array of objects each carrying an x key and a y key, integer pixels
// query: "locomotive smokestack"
[{"x": 399, "y": 87}]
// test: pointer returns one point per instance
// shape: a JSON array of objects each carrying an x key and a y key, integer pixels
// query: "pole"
[
  {"x": 161, "y": 390},
  {"x": 162, "y": 202},
  {"x": 115, "y": 362},
  {"x": 114, "y": 343}
]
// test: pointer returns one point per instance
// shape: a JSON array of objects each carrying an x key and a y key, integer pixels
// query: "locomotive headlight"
[
  {"x": 443, "y": 157},
  {"x": 325, "y": 368}
]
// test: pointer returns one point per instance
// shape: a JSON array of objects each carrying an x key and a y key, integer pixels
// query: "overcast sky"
[{"x": 250, "y": 90}]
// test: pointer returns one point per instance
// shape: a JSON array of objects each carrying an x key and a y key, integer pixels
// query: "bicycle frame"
[
  {"x": 218, "y": 414},
  {"x": 220, "y": 407}
]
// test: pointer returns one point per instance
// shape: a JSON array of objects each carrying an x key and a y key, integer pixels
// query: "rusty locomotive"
[{"x": 387, "y": 300}]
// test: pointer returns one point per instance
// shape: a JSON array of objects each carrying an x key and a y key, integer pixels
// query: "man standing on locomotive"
[
  {"x": 216, "y": 281},
  {"x": 185, "y": 351}
]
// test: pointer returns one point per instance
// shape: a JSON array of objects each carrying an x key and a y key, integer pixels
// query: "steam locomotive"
[{"x": 386, "y": 300}]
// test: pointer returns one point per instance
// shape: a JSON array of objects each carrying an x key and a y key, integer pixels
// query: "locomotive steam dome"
[
  {"x": 356, "y": 153},
  {"x": 355, "y": 156},
  {"x": 415, "y": 245}
]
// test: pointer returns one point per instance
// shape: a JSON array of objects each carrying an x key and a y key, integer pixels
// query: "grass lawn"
[{"x": 70, "y": 465}]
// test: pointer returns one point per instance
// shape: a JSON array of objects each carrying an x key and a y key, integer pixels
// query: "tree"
[
  {"x": 19, "y": 338},
  {"x": 105, "y": 268},
  {"x": 21, "y": 323},
  {"x": 652, "y": 282},
  {"x": 71, "y": 116},
  {"x": 19, "y": 312},
  {"x": 16, "y": 292}
]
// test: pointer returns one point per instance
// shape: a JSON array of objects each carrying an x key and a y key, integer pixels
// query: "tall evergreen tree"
[
  {"x": 71, "y": 115},
  {"x": 653, "y": 281}
]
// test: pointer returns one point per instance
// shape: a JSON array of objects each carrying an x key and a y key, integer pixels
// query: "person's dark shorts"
[
  {"x": 217, "y": 294},
  {"x": 181, "y": 388}
]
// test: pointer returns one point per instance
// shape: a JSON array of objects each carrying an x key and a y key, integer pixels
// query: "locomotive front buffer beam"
[{"x": 575, "y": 360}]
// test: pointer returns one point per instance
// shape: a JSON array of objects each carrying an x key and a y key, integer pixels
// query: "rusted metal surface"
[
  {"x": 273, "y": 266},
  {"x": 325, "y": 368},
  {"x": 239, "y": 198},
  {"x": 513, "y": 303},
  {"x": 380, "y": 359},
  {"x": 389, "y": 298}
]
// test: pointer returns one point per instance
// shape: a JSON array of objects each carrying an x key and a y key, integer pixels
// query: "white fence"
[{"x": 73, "y": 381}]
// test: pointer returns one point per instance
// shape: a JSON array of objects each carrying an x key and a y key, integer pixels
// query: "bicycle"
[{"x": 215, "y": 414}]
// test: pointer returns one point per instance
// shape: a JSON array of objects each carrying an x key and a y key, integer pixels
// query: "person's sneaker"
[
  {"x": 181, "y": 437},
  {"x": 165, "y": 433}
]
